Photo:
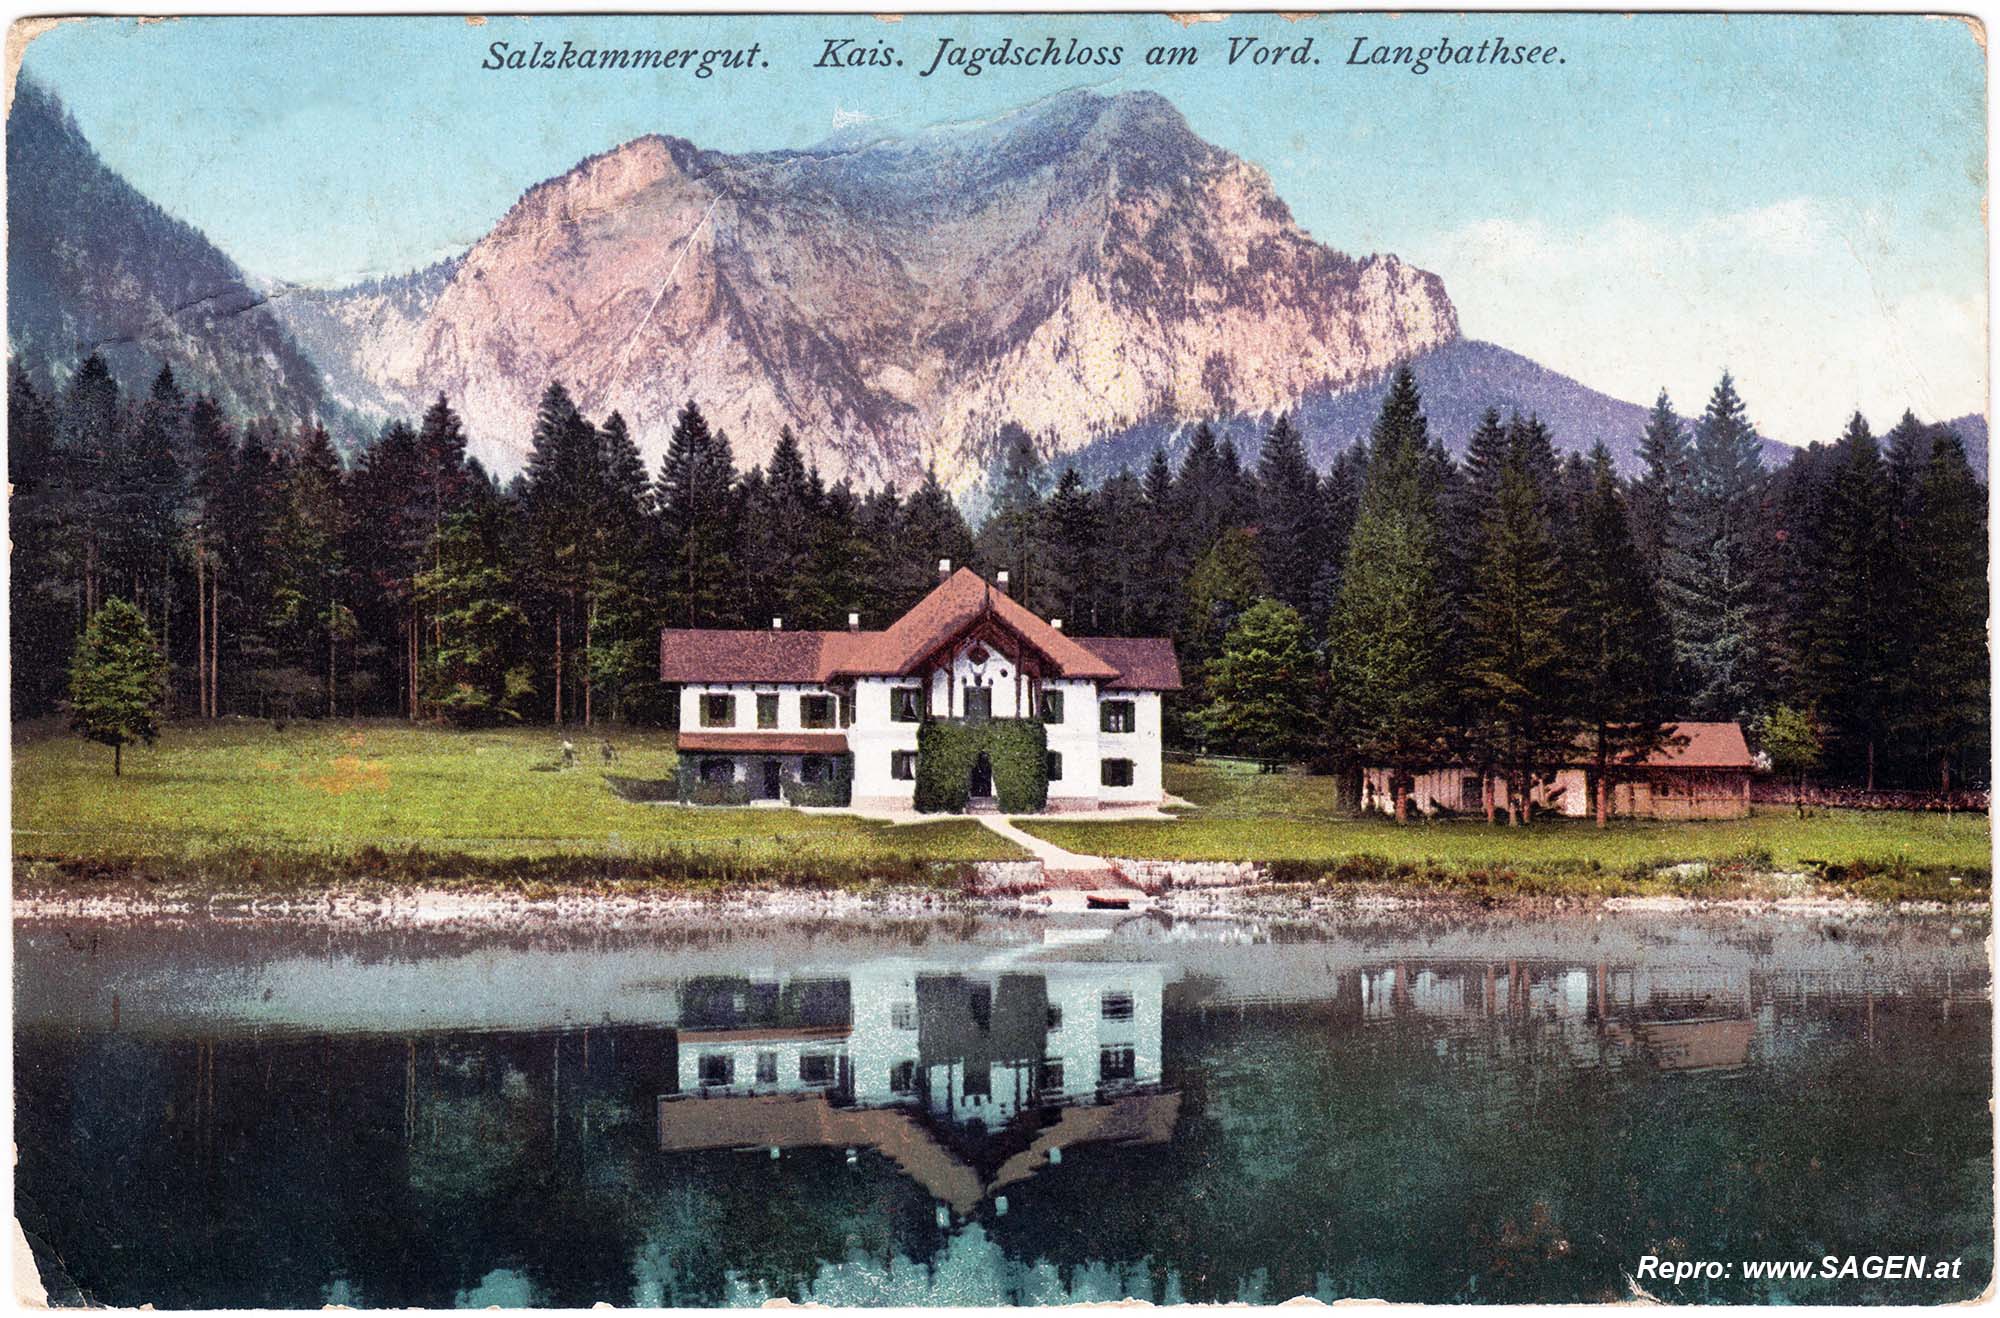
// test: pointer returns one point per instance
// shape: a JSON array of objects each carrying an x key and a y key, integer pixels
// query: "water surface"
[{"x": 995, "y": 1110}]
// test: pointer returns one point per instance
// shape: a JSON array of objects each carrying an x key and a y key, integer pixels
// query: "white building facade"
[{"x": 809, "y": 716}]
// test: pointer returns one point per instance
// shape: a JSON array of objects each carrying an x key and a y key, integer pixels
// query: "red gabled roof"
[
  {"x": 705, "y": 655},
  {"x": 958, "y": 603},
  {"x": 1702, "y": 746},
  {"x": 1144, "y": 663}
]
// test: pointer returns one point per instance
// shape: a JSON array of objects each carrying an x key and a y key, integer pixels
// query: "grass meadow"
[
  {"x": 1291, "y": 821},
  {"x": 318, "y": 804},
  {"x": 333, "y": 791}
]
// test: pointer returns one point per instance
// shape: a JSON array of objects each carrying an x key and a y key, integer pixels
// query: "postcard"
[{"x": 682, "y": 661}]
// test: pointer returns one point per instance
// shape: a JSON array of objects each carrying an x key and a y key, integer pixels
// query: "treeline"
[{"x": 1402, "y": 608}]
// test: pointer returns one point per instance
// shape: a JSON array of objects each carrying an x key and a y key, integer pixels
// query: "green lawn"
[
  {"x": 329, "y": 789},
  {"x": 1245, "y": 815}
]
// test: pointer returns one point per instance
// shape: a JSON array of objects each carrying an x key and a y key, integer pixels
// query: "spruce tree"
[
  {"x": 1945, "y": 692},
  {"x": 1663, "y": 448},
  {"x": 1073, "y": 554},
  {"x": 1516, "y": 671},
  {"x": 1162, "y": 538},
  {"x": 473, "y": 676},
  {"x": 934, "y": 531},
  {"x": 561, "y": 503},
  {"x": 1711, "y": 576},
  {"x": 1619, "y": 650},
  {"x": 117, "y": 681},
  {"x": 1387, "y": 649},
  {"x": 621, "y": 617},
  {"x": 1861, "y": 587},
  {"x": 699, "y": 521},
  {"x": 1012, "y": 540},
  {"x": 1291, "y": 538}
]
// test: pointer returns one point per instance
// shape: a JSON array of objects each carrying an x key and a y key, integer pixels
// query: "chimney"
[
  {"x": 854, "y": 622},
  {"x": 777, "y": 624},
  {"x": 1056, "y": 623},
  {"x": 1000, "y": 580}
]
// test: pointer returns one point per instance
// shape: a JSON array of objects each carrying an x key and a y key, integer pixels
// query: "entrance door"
[
  {"x": 982, "y": 777},
  {"x": 772, "y": 787}
]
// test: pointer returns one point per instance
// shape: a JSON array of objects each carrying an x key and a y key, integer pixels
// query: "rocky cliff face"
[
  {"x": 1083, "y": 265},
  {"x": 93, "y": 266}
]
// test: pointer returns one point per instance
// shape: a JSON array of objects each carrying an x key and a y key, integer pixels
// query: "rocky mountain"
[
  {"x": 92, "y": 265},
  {"x": 1084, "y": 265},
  {"x": 1459, "y": 381}
]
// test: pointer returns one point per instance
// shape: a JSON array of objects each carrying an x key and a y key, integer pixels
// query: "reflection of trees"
[
  {"x": 1316, "y": 1158},
  {"x": 725, "y": 1221},
  {"x": 1488, "y": 1157}
]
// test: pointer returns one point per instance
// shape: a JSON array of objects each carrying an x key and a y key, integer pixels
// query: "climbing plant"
[{"x": 1017, "y": 750}]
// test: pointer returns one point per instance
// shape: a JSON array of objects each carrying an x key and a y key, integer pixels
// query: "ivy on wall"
[{"x": 1017, "y": 750}]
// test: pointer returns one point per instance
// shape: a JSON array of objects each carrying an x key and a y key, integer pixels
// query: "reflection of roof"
[
  {"x": 785, "y": 1121},
  {"x": 1144, "y": 1118},
  {"x": 953, "y": 608},
  {"x": 1697, "y": 1045},
  {"x": 770, "y": 1034},
  {"x": 769, "y": 743}
]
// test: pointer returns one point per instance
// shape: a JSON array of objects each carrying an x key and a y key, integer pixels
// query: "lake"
[{"x": 992, "y": 1109}]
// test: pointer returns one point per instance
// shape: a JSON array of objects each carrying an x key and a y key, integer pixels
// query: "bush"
[
  {"x": 835, "y": 791},
  {"x": 1017, "y": 750},
  {"x": 693, "y": 791}
]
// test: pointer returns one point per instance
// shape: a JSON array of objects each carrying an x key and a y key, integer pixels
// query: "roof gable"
[
  {"x": 959, "y": 603},
  {"x": 1702, "y": 746}
]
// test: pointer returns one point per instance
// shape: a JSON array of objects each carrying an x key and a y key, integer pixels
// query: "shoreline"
[{"x": 433, "y": 907}]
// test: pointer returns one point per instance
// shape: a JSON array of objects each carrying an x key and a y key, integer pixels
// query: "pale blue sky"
[{"x": 1797, "y": 197}]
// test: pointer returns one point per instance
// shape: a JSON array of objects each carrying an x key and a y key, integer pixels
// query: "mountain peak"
[{"x": 1078, "y": 264}]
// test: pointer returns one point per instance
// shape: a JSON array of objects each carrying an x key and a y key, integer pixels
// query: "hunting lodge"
[{"x": 832, "y": 717}]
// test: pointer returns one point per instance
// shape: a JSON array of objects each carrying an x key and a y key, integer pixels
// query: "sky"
[{"x": 1795, "y": 198}]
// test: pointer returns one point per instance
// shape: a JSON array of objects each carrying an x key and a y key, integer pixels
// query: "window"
[
  {"x": 767, "y": 710},
  {"x": 1117, "y": 1005},
  {"x": 767, "y": 1068},
  {"x": 1116, "y": 716},
  {"x": 903, "y": 1016},
  {"x": 815, "y": 769},
  {"x": 1115, "y": 1064},
  {"x": 979, "y": 702},
  {"x": 1055, "y": 766},
  {"x": 718, "y": 769},
  {"x": 717, "y": 1069},
  {"x": 903, "y": 1078},
  {"x": 903, "y": 765},
  {"x": 1052, "y": 706},
  {"x": 816, "y": 711},
  {"x": 847, "y": 709},
  {"x": 1118, "y": 773},
  {"x": 718, "y": 711},
  {"x": 906, "y": 704},
  {"x": 1055, "y": 1017},
  {"x": 816, "y": 1069},
  {"x": 1049, "y": 1076}
]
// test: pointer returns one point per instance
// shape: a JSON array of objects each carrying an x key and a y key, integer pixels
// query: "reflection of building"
[
  {"x": 1596, "y": 1015},
  {"x": 1021, "y": 1061}
]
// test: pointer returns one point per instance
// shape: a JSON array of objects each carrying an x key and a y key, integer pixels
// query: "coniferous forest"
[{"x": 1401, "y": 608}]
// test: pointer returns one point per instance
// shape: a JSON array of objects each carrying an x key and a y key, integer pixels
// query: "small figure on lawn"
[
  {"x": 568, "y": 754},
  {"x": 608, "y": 751}
]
